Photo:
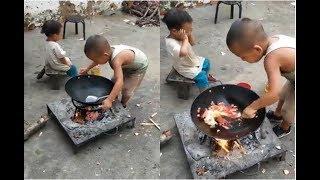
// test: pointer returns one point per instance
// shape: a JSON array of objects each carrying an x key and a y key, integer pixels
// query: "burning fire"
[
  {"x": 223, "y": 144},
  {"x": 81, "y": 116},
  {"x": 78, "y": 118},
  {"x": 223, "y": 147}
]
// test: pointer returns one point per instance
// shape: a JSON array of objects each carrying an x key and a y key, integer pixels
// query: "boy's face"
[
  {"x": 57, "y": 36},
  {"x": 250, "y": 55},
  {"x": 100, "y": 58},
  {"x": 187, "y": 27}
]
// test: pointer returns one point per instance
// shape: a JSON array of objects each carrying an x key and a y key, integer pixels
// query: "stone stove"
[
  {"x": 258, "y": 146},
  {"x": 63, "y": 111}
]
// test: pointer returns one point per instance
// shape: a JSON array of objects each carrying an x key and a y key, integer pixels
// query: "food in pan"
[{"x": 215, "y": 114}]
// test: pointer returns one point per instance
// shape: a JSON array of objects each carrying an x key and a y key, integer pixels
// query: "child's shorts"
[
  {"x": 132, "y": 80},
  {"x": 201, "y": 79},
  {"x": 72, "y": 71},
  {"x": 288, "y": 96}
]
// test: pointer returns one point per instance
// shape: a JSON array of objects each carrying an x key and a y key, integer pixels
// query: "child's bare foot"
[
  {"x": 124, "y": 105},
  {"x": 165, "y": 136},
  {"x": 41, "y": 73},
  {"x": 211, "y": 78}
]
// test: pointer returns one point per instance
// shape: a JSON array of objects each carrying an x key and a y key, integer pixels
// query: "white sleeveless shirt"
[
  {"x": 140, "y": 62},
  {"x": 284, "y": 42},
  {"x": 189, "y": 66}
]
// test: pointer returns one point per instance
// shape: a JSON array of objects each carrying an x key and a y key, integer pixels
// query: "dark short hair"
[
  {"x": 246, "y": 32},
  {"x": 175, "y": 18},
  {"x": 94, "y": 44},
  {"x": 51, "y": 27}
]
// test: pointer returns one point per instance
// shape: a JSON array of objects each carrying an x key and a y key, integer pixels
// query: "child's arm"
[
  {"x": 65, "y": 61},
  {"x": 184, "y": 45},
  {"x": 85, "y": 70},
  {"x": 191, "y": 39},
  {"x": 272, "y": 68},
  {"x": 118, "y": 77},
  {"x": 61, "y": 55}
]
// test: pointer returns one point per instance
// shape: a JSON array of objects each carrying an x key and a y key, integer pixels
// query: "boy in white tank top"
[
  {"x": 128, "y": 63},
  {"x": 247, "y": 39}
]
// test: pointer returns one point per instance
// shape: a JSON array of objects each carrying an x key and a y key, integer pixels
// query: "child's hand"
[
  {"x": 249, "y": 112},
  {"x": 83, "y": 71},
  {"x": 106, "y": 104},
  {"x": 182, "y": 35},
  {"x": 189, "y": 34}
]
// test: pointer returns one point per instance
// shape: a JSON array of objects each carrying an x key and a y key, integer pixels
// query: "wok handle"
[
  {"x": 220, "y": 82},
  {"x": 102, "y": 97}
]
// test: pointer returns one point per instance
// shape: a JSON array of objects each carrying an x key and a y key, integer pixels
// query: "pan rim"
[
  {"x": 67, "y": 84},
  {"x": 262, "y": 110}
]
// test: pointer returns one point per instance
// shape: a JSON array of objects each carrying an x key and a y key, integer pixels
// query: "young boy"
[
  {"x": 179, "y": 43},
  {"x": 128, "y": 63},
  {"x": 248, "y": 40},
  {"x": 55, "y": 56}
]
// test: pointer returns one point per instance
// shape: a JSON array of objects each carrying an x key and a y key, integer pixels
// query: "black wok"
[
  {"x": 79, "y": 87},
  {"x": 228, "y": 94}
]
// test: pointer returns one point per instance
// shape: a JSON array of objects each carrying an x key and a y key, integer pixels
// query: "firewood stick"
[
  {"x": 35, "y": 127},
  {"x": 224, "y": 148},
  {"x": 240, "y": 147},
  {"x": 154, "y": 12},
  {"x": 154, "y": 23},
  {"x": 155, "y": 123},
  {"x": 137, "y": 12},
  {"x": 142, "y": 22},
  {"x": 153, "y": 115},
  {"x": 145, "y": 12},
  {"x": 147, "y": 124}
]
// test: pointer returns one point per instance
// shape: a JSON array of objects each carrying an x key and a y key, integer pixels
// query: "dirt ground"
[
  {"x": 123, "y": 155},
  {"x": 49, "y": 154},
  {"x": 277, "y": 18}
]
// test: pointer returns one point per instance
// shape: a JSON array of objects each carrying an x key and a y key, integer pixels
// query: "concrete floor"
[
  {"x": 278, "y": 17},
  {"x": 119, "y": 156}
]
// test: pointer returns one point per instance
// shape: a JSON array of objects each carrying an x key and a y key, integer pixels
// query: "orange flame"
[{"x": 223, "y": 144}]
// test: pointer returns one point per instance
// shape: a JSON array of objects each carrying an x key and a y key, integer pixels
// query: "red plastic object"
[{"x": 245, "y": 85}]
